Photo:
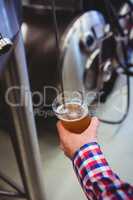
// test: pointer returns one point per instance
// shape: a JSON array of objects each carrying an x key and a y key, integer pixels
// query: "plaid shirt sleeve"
[{"x": 96, "y": 177}]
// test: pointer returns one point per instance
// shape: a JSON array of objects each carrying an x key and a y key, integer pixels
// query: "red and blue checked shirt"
[{"x": 97, "y": 179}]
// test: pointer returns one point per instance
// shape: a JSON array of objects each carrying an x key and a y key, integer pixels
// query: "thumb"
[{"x": 94, "y": 124}]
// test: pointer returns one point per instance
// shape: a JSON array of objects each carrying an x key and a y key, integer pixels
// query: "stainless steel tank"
[
  {"x": 10, "y": 19},
  {"x": 13, "y": 72}
]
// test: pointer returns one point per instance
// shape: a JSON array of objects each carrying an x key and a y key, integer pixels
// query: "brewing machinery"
[
  {"x": 83, "y": 53},
  {"x": 13, "y": 73},
  {"x": 96, "y": 49}
]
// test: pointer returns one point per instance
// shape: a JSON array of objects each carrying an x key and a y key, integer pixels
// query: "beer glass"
[{"x": 73, "y": 111}]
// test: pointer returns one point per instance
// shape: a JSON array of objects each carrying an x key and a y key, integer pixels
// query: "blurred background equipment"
[
  {"x": 5, "y": 45},
  {"x": 19, "y": 118},
  {"x": 39, "y": 22},
  {"x": 96, "y": 41},
  {"x": 40, "y": 5},
  {"x": 94, "y": 49}
]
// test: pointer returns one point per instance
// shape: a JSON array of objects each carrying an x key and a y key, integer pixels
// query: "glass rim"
[
  {"x": 80, "y": 99},
  {"x": 62, "y": 113}
]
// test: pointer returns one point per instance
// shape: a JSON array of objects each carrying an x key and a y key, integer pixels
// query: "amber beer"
[{"x": 76, "y": 119}]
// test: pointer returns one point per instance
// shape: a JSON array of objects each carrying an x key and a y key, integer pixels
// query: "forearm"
[{"x": 96, "y": 177}]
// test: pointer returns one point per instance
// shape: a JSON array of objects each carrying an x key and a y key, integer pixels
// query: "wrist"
[{"x": 84, "y": 147}]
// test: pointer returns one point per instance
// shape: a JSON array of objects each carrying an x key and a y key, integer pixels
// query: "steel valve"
[{"x": 5, "y": 44}]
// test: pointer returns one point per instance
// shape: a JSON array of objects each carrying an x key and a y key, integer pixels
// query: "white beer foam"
[{"x": 64, "y": 113}]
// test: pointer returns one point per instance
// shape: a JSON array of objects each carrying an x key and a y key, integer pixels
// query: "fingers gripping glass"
[{"x": 75, "y": 114}]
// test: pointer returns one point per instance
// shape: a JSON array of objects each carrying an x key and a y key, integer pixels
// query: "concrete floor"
[{"x": 60, "y": 180}]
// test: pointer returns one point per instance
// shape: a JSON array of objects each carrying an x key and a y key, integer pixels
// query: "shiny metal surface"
[
  {"x": 10, "y": 21},
  {"x": 24, "y": 138},
  {"x": 5, "y": 45},
  {"x": 75, "y": 58},
  {"x": 90, "y": 49},
  {"x": 125, "y": 13}
]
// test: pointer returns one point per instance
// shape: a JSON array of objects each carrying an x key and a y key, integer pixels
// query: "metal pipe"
[
  {"x": 24, "y": 139},
  {"x": 11, "y": 183},
  {"x": 11, "y": 194}
]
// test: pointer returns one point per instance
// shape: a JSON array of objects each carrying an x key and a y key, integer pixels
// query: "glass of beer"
[{"x": 72, "y": 109}]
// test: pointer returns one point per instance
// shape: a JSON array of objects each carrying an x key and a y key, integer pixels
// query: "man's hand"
[{"x": 71, "y": 142}]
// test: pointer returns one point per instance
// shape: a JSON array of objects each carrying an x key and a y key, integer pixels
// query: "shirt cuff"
[{"x": 90, "y": 162}]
